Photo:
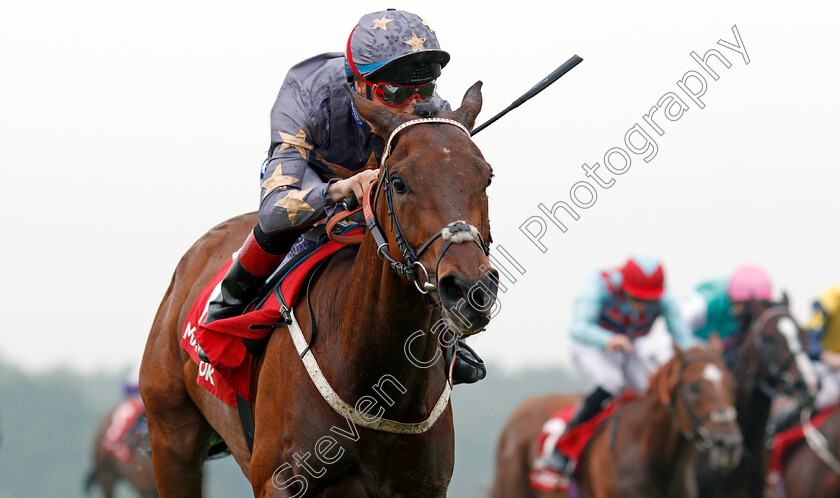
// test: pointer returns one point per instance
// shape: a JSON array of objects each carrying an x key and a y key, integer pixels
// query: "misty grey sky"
[{"x": 129, "y": 129}]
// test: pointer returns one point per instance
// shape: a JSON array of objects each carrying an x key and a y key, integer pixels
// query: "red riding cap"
[{"x": 644, "y": 277}]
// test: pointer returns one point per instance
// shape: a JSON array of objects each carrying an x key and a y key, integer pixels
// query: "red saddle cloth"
[
  {"x": 784, "y": 441},
  {"x": 572, "y": 443},
  {"x": 231, "y": 366},
  {"x": 123, "y": 418}
]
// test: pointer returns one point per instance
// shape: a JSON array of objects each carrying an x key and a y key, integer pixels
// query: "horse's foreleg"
[
  {"x": 179, "y": 440},
  {"x": 107, "y": 480}
]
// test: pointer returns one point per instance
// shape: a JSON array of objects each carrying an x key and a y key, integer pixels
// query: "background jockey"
[
  {"x": 719, "y": 306},
  {"x": 321, "y": 151},
  {"x": 824, "y": 328},
  {"x": 615, "y": 308},
  {"x": 126, "y": 419},
  {"x": 824, "y": 348}
]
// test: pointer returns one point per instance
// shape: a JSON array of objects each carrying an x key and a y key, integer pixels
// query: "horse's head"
[
  {"x": 698, "y": 392},
  {"x": 773, "y": 352},
  {"x": 433, "y": 187}
]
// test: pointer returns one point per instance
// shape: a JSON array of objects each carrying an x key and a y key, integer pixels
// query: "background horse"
[
  {"x": 690, "y": 401},
  {"x": 805, "y": 474},
  {"x": 769, "y": 360},
  {"x": 108, "y": 469},
  {"x": 366, "y": 313}
]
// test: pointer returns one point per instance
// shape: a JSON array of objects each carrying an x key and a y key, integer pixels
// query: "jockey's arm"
[
  {"x": 677, "y": 326},
  {"x": 293, "y": 194},
  {"x": 587, "y": 309}
]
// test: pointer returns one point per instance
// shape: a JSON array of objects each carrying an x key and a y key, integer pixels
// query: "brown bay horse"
[
  {"x": 108, "y": 470},
  {"x": 689, "y": 402},
  {"x": 769, "y": 361},
  {"x": 806, "y": 474},
  {"x": 365, "y": 313}
]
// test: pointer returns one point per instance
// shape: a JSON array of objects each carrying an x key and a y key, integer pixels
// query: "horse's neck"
[
  {"x": 380, "y": 313},
  {"x": 670, "y": 455},
  {"x": 753, "y": 407},
  {"x": 752, "y": 404}
]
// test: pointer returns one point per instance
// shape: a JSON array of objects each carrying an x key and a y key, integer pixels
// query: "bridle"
[
  {"x": 777, "y": 371},
  {"x": 453, "y": 233},
  {"x": 697, "y": 433}
]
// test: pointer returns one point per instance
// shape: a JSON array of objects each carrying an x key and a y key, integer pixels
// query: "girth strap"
[{"x": 345, "y": 409}]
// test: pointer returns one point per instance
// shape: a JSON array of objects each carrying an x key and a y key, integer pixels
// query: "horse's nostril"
[{"x": 450, "y": 291}]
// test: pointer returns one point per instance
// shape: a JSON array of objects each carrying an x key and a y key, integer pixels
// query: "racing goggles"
[{"x": 399, "y": 95}]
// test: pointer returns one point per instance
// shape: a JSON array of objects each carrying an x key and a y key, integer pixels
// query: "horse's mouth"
[
  {"x": 725, "y": 451},
  {"x": 461, "y": 326}
]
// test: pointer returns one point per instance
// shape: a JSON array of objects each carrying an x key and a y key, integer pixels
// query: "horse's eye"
[
  {"x": 399, "y": 185},
  {"x": 694, "y": 388},
  {"x": 490, "y": 179}
]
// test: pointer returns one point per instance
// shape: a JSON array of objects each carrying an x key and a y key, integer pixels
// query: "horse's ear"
[
  {"x": 785, "y": 299},
  {"x": 381, "y": 120},
  {"x": 470, "y": 106},
  {"x": 715, "y": 343}
]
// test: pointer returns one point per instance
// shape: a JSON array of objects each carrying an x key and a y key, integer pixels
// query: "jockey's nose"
[{"x": 470, "y": 300}]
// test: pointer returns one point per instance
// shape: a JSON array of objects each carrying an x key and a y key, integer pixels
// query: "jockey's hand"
[
  {"x": 619, "y": 342},
  {"x": 831, "y": 359},
  {"x": 356, "y": 184}
]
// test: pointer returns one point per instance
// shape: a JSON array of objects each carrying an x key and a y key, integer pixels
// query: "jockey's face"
[
  {"x": 638, "y": 306},
  {"x": 738, "y": 308},
  {"x": 361, "y": 89}
]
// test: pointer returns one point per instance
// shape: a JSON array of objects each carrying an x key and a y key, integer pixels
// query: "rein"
[
  {"x": 817, "y": 442},
  {"x": 697, "y": 432}
]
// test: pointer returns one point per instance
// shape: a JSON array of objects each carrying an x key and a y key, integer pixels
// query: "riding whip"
[{"x": 542, "y": 85}]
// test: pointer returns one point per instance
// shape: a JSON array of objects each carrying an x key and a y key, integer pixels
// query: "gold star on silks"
[
  {"x": 381, "y": 23},
  {"x": 298, "y": 141},
  {"x": 278, "y": 180},
  {"x": 293, "y": 202},
  {"x": 415, "y": 42},
  {"x": 424, "y": 24}
]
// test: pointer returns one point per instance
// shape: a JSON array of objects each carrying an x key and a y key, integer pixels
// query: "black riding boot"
[
  {"x": 588, "y": 409},
  {"x": 237, "y": 290},
  {"x": 469, "y": 367},
  {"x": 258, "y": 257}
]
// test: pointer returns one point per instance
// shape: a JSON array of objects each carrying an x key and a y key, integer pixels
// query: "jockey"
[
  {"x": 321, "y": 151},
  {"x": 131, "y": 382},
  {"x": 617, "y": 307},
  {"x": 126, "y": 420},
  {"x": 719, "y": 307},
  {"x": 824, "y": 349},
  {"x": 824, "y": 328}
]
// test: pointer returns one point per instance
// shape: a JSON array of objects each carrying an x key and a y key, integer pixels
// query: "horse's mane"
[{"x": 665, "y": 369}]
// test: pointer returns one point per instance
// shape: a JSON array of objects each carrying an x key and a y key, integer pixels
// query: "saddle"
[
  {"x": 571, "y": 443},
  {"x": 785, "y": 441}
]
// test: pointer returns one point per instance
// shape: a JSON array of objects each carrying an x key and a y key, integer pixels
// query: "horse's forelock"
[{"x": 426, "y": 110}]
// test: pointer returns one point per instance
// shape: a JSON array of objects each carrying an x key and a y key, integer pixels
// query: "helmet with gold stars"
[{"x": 394, "y": 46}]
